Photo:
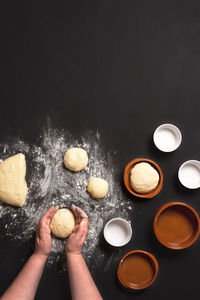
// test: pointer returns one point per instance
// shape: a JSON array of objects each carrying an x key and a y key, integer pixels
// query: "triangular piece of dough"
[{"x": 13, "y": 187}]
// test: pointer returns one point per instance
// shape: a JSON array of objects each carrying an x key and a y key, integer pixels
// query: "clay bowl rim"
[
  {"x": 127, "y": 171},
  {"x": 151, "y": 258},
  {"x": 187, "y": 243}
]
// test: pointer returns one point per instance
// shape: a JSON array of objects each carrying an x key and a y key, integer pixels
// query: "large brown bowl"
[
  {"x": 127, "y": 172},
  {"x": 176, "y": 225},
  {"x": 137, "y": 270}
]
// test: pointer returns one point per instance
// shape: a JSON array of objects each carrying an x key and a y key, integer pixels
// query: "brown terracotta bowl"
[
  {"x": 137, "y": 270},
  {"x": 127, "y": 172},
  {"x": 176, "y": 225}
]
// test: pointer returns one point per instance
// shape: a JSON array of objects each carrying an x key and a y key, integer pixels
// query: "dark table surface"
[{"x": 122, "y": 67}]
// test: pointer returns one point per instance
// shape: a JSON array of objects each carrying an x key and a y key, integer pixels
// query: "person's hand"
[
  {"x": 76, "y": 239},
  {"x": 43, "y": 233}
]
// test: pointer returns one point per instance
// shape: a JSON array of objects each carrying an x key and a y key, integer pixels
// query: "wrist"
[
  {"x": 40, "y": 256},
  {"x": 73, "y": 254}
]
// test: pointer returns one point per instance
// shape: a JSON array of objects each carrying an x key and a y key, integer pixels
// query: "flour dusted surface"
[{"x": 50, "y": 183}]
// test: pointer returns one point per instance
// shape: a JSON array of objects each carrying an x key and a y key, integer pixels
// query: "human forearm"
[
  {"x": 25, "y": 284},
  {"x": 81, "y": 282}
]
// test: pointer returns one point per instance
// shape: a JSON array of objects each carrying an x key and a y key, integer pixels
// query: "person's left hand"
[{"x": 43, "y": 233}]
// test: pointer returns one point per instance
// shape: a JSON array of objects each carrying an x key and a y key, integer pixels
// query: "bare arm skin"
[
  {"x": 25, "y": 284},
  {"x": 81, "y": 283}
]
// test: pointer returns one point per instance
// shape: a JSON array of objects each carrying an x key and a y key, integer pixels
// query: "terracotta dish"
[
  {"x": 176, "y": 225},
  {"x": 137, "y": 270},
  {"x": 127, "y": 172}
]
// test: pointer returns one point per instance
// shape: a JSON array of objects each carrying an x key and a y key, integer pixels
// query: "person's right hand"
[{"x": 76, "y": 239}]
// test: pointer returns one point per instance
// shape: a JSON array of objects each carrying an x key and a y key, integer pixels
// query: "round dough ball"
[
  {"x": 76, "y": 159},
  {"x": 62, "y": 223},
  {"x": 97, "y": 187},
  {"x": 144, "y": 178}
]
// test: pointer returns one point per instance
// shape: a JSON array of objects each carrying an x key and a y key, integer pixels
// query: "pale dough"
[
  {"x": 144, "y": 178},
  {"x": 97, "y": 187},
  {"x": 13, "y": 187},
  {"x": 75, "y": 159},
  {"x": 62, "y": 223}
]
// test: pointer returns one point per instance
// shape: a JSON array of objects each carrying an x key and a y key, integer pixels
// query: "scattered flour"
[{"x": 50, "y": 183}]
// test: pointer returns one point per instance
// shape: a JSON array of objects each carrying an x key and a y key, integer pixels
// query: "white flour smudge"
[{"x": 50, "y": 183}]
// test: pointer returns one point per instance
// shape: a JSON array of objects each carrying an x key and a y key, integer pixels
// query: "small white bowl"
[
  {"x": 117, "y": 232},
  {"x": 189, "y": 174},
  {"x": 167, "y": 137}
]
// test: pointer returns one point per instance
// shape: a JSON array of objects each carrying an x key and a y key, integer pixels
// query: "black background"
[{"x": 122, "y": 67}]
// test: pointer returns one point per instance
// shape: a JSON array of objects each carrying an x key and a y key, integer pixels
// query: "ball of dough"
[
  {"x": 97, "y": 187},
  {"x": 144, "y": 178},
  {"x": 76, "y": 159},
  {"x": 13, "y": 187},
  {"x": 62, "y": 223}
]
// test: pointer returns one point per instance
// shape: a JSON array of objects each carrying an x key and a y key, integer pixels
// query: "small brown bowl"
[
  {"x": 127, "y": 183},
  {"x": 137, "y": 270},
  {"x": 176, "y": 225}
]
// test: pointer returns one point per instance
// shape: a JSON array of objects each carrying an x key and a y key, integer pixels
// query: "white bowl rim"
[
  {"x": 121, "y": 220},
  {"x": 175, "y": 129},
  {"x": 188, "y": 162}
]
